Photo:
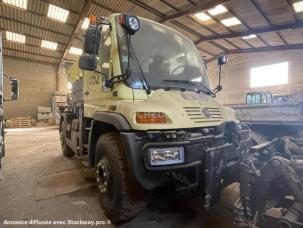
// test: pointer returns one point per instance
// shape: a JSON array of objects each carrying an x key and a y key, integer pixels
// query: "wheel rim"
[{"x": 104, "y": 178}]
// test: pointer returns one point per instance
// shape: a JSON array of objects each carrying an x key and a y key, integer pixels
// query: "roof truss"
[{"x": 67, "y": 38}]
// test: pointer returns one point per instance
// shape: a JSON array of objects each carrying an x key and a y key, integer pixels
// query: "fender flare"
[{"x": 115, "y": 120}]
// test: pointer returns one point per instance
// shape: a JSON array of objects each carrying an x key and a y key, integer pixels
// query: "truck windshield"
[{"x": 161, "y": 58}]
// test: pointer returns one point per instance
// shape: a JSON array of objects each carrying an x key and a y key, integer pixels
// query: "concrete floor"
[{"x": 35, "y": 153}]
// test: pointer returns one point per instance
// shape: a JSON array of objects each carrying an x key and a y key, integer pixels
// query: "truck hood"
[{"x": 182, "y": 109}]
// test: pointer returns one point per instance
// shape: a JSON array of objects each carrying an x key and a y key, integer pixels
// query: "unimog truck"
[{"x": 144, "y": 116}]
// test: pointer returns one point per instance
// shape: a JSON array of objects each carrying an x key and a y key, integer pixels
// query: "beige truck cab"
[{"x": 144, "y": 116}]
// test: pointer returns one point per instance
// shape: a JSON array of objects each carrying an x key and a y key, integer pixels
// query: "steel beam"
[
  {"x": 60, "y": 5},
  {"x": 292, "y": 25},
  {"x": 232, "y": 44},
  {"x": 184, "y": 27},
  {"x": 214, "y": 43},
  {"x": 162, "y": 16},
  {"x": 37, "y": 47},
  {"x": 28, "y": 35},
  {"x": 29, "y": 60},
  {"x": 200, "y": 24},
  {"x": 266, "y": 49},
  {"x": 31, "y": 53},
  {"x": 170, "y": 5},
  {"x": 210, "y": 30},
  {"x": 201, "y": 6},
  {"x": 148, "y": 8},
  {"x": 34, "y": 26},
  {"x": 256, "y": 5},
  {"x": 191, "y": 2},
  {"x": 33, "y": 13},
  {"x": 207, "y": 52},
  {"x": 247, "y": 43},
  {"x": 245, "y": 24},
  {"x": 83, "y": 14},
  {"x": 262, "y": 49}
]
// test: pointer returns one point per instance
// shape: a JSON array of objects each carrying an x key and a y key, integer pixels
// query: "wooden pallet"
[{"x": 20, "y": 122}]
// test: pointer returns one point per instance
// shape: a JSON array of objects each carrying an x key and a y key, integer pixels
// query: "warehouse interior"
[{"x": 43, "y": 39}]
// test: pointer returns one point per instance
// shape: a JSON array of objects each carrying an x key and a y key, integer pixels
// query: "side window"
[
  {"x": 269, "y": 98},
  {"x": 263, "y": 99},
  {"x": 248, "y": 99},
  {"x": 105, "y": 46},
  {"x": 253, "y": 98},
  {"x": 258, "y": 99}
]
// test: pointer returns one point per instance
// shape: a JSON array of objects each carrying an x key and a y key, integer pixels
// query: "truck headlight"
[
  {"x": 130, "y": 22},
  {"x": 165, "y": 156}
]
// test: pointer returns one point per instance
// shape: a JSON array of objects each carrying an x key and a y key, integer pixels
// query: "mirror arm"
[
  {"x": 119, "y": 78},
  {"x": 99, "y": 72},
  {"x": 219, "y": 87},
  {"x": 220, "y": 71}
]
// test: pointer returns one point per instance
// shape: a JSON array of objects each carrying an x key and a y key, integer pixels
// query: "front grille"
[{"x": 197, "y": 116}]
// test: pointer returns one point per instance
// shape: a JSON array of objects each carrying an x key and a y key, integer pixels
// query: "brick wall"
[
  {"x": 236, "y": 74},
  {"x": 37, "y": 83}
]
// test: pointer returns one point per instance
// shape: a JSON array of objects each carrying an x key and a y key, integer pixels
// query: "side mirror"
[
  {"x": 92, "y": 40},
  {"x": 87, "y": 62},
  {"x": 14, "y": 89},
  {"x": 222, "y": 59}
]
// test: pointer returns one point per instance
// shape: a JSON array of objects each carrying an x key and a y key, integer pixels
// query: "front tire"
[{"x": 118, "y": 194}]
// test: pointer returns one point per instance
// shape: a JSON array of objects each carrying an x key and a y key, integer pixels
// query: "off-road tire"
[
  {"x": 66, "y": 150},
  {"x": 124, "y": 200}
]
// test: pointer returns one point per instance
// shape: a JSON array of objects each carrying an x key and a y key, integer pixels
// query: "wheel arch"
[{"x": 104, "y": 122}]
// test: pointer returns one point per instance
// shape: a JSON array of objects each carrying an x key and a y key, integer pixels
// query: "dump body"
[
  {"x": 270, "y": 120},
  {"x": 288, "y": 113}
]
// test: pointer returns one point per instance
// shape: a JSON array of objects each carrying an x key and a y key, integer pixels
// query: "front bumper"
[{"x": 198, "y": 154}]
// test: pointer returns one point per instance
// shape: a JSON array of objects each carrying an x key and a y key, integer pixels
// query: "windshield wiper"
[
  {"x": 142, "y": 76},
  {"x": 204, "y": 88}
]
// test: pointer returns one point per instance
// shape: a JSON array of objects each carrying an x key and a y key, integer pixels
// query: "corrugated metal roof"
[{"x": 35, "y": 25}]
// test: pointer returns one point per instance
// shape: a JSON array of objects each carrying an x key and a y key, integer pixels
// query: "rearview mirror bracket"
[{"x": 222, "y": 59}]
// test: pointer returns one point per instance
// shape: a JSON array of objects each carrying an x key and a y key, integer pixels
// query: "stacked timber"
[{"x": 20, "y": 122}]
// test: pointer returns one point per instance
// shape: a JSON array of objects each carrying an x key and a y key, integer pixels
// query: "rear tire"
[
  {"x": 119, "y": 196},
  {"x": 66, "y": 150}
]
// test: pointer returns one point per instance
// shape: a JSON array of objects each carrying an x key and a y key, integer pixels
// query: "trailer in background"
[{"x": 269, "y": 117}]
